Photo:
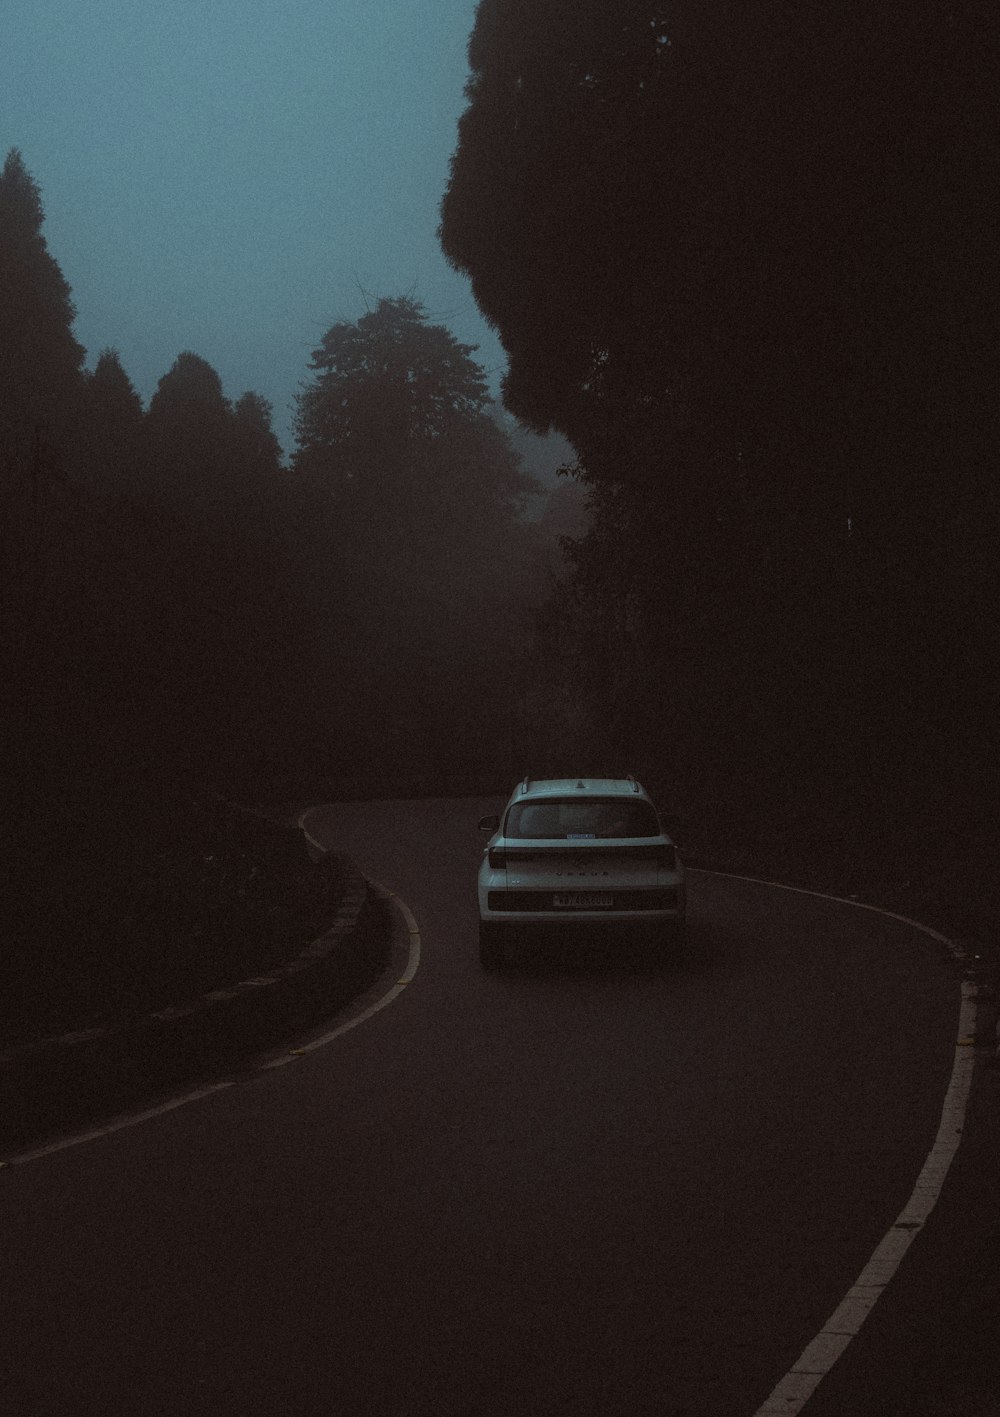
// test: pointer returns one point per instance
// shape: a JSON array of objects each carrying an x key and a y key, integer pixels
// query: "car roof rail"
[
  {"x": 631, "y": 779},
  {"x": 524, "y": 784}
]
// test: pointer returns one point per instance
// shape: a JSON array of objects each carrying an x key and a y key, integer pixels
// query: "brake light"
[{"x": 498, "y": 858}]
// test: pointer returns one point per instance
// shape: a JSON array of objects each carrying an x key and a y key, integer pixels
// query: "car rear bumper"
[{"x": 566, "y": 919}]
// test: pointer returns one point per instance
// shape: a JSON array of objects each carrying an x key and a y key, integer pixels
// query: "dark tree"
[
  {"x": 738, "y": 255},
  {"x": 190, "y": 383},
  {"x": 233, "y": 631},
  {"x": 188, "y": 434},
  {"x": 40, "y": 360},
  {"x": 108, "y": 429},
  {"x": 411, "y": 497},
  {"x": 396, "y": 416},
  {"x": 396, "y": 441},
  {"x": 205, "y": 458},
  {"x": 261, "y": 448},
  {"x": 730, "y": 228}
]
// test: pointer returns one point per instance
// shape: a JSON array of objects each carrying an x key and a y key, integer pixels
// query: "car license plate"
[{"x": 582, "y": 900}]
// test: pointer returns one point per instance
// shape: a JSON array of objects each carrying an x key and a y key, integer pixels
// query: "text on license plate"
[{"x": 583, "y": 900}]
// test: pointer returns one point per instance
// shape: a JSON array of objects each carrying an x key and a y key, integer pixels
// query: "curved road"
[{"x": 573, "y": 1188}]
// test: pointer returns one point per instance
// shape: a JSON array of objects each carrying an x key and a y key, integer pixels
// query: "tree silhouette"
[
  {"x": 40, "y": 359},
  {"x": 396, "y": 414},
  {"x": 261, "y": 448},
  {"x": 108, "y": 428},
  {"x": 411, "y": 497},
  {"x": 737, "y": 255},
  {"x": 188, "y": 434}
]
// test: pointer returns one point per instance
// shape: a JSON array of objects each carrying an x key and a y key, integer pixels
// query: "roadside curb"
[{"x": 65, "y": 1080}]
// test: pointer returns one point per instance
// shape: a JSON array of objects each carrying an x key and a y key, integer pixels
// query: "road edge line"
[
  {"x": 793, "y": 1391},
  {"x": 389, "y": 997},
  {"x": 412, "y": 964},
  {"x": 124, "y": 1120}
]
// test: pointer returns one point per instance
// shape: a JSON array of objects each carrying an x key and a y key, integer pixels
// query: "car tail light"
[
  {"x": 498, "y": 858},
  {"x": 666, "y": 857}
]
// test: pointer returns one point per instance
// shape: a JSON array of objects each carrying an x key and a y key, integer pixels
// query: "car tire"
[{"x": 491, "y": 954}]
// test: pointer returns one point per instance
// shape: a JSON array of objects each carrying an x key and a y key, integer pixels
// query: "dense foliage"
[{"x": 741, "y": 257}]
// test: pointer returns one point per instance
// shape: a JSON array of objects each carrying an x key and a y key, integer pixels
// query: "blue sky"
[{"x": 232, "y": 176}]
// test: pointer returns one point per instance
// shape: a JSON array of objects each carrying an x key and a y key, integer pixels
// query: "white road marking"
[
  {"x": 950, "y": 945},
  {"x": 413, "y": 963},
  {"x": 133, "y": 1119},
  {"x": 797, "y": 1386},
  {"x": 117, "y": 1124}
]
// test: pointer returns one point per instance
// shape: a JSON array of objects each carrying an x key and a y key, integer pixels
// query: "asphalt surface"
[{"x": 576, "y": 1187}]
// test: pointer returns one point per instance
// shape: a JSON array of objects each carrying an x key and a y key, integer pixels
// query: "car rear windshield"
[{"x": 574, "y": 819}]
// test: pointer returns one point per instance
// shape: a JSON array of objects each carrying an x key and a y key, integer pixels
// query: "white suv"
[{"x": 569, "y": 851}]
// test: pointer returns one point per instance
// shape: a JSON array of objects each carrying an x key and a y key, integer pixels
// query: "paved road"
[{"x": 569, "y": 1189}]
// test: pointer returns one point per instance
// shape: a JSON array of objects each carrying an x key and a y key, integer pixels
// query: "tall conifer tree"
[
  {"x": 40, "y": 360},
  {"x": 109, "y": 428}
]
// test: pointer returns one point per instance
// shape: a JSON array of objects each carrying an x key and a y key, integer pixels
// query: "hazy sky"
[{"x": 228, "y": 176}]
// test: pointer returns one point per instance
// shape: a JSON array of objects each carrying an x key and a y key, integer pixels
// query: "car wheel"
[{"x": 490, "y": 946}]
